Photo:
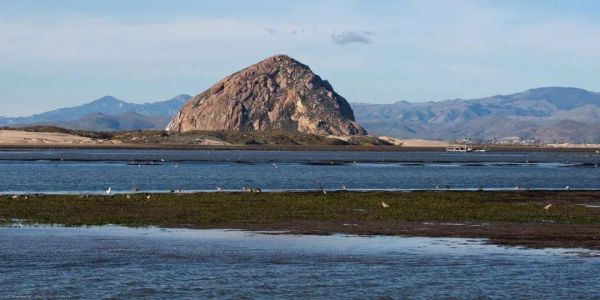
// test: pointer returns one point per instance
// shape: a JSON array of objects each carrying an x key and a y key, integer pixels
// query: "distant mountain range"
[
  {"x": 551, "y": 114},
  {"x": 107, "y": 114},
  {"x": 548, "y": 115}
]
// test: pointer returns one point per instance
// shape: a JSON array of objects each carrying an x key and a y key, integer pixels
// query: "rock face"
[{"x": 278, "y": 93}]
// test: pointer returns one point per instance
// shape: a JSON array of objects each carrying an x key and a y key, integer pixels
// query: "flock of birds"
[
  {"x": 109, "y": 191},
  {"x": 258, "y": 190}
]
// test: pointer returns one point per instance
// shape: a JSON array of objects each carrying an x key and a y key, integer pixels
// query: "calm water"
[
  {"x": 158, "y": 263},
  {"x": 94, "y": 170}
]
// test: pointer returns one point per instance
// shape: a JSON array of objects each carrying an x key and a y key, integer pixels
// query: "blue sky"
[{"x": 63, "y": 53}]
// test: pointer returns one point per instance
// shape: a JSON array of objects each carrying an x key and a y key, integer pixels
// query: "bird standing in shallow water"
[{"x": 109, "y": 191}]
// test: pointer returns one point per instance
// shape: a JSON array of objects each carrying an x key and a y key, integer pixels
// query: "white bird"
[
  {"x": 15, "y": 196},
  {"x": 567, "y": 188},
  {"x": 109, "y": 191},
  {"x": 384, "y": 205},
  {"x": 219, "y": 188},
  {"x": 128, "y": 196},
  {"x": 547, "y": 207},
  {"x": 148, "y": 197},
  {"x": 343, "y": 187}
]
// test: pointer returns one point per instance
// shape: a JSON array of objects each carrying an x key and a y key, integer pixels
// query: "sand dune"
[
  {"x": 15, "y": 137},
  {"x": 415, "y": 142}
]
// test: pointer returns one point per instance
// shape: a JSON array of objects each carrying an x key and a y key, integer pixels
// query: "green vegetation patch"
[{"x": 231, "y": 209}]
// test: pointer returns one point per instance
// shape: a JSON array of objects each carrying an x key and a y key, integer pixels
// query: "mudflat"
[{"x": 522, "y": 218}]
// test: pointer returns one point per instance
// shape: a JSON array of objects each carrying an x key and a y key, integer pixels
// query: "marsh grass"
[{"x": 230, "y": 209}]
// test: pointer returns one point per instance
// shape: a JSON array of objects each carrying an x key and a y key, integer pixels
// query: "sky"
[{"x": 67, "y": 52}]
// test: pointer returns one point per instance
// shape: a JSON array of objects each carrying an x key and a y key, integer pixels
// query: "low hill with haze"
[
  {"x": 552, "y": 114},
  {"x": 106, "y": 113}
]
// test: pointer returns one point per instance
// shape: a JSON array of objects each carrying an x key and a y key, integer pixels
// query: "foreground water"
[
  {"x": 110, "y": 261},
  {"x": 89, "y": 171}
]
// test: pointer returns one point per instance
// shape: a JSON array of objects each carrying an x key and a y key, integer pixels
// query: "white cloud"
[
  {"x": 460, "y": 47},
  {"x": 352, "y": 37}
]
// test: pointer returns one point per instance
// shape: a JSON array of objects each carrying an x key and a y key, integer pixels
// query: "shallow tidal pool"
[{"x": 113, "y": 261}]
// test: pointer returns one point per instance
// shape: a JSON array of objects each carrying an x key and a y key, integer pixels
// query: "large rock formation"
[{"x": 278, "y": 93}]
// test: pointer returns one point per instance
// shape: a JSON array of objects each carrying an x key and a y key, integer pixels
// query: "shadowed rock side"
[{"x": 278, "y": 93}]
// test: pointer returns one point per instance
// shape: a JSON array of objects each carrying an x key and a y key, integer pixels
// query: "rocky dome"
[{"x": 278, "y": 93}]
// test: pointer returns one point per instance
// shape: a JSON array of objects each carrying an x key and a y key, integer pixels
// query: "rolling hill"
[{"x": 551, "y": 114}]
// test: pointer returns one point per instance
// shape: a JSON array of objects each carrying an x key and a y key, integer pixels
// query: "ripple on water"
[{"x": 113, "y": 261}]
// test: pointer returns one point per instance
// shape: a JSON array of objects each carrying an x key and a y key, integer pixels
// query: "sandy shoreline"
[
  {"x": 48, "y": 139},
  {"x": 16, "y": 139}
]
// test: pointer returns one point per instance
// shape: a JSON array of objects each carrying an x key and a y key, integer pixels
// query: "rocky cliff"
[{"x": 278, "y": 93}]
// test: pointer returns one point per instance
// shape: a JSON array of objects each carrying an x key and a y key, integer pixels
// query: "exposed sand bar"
[{"x": 20, "y": 139}]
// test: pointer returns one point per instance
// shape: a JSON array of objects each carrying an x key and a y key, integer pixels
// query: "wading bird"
[
  {"x": 384, "y": 205},
  {"x": 109, "y": 191},
  {"x": 547, "y": 207}
]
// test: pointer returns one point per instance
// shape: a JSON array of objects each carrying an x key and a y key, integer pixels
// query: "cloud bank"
[{"x": 350, "y": 37}]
